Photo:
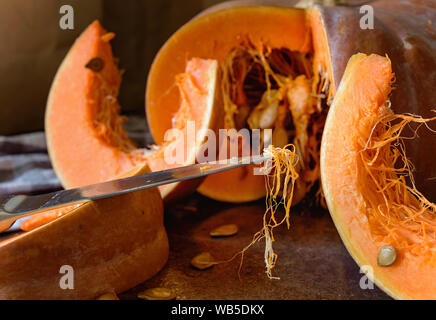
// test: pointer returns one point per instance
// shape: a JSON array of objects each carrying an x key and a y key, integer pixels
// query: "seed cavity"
[
  {"x": 203, "y": 261},
  {"x": 226, "y": 230},
  {"x": 95, "y": 64},
  {"x": 387, "y": 255},
  {"x": 157, "y": 294}
]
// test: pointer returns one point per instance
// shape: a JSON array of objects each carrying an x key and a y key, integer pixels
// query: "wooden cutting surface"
[{"x": 312, "y": 261}]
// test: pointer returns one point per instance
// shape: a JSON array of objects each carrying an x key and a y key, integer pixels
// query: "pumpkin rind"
[
  {"x": 111, "y": 247},
  {"x": 405, "y": 30}
]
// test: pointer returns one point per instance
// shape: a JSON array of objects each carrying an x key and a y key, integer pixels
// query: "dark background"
[{"x": 33, "y": 45}]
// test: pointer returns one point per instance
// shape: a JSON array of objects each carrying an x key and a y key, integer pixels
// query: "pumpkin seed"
[
  {"x": 269, "y": 115},
  {"x": 386, "y": 255},
  {"x": 108, "y": 296},
  {"x": 95, "y": 64},
  {"x": 265, "y": 113},
  {"x": 203, "y": 261},
  {"x": 226, "y": 230},
  {"x": 157, "y": 294}
]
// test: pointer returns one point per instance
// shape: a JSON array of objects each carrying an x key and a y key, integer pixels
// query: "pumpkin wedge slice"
[
  {"x": 365, "y": 187},
  {"x": 85, "y": 134},
  {"x": 110, "y": 246}
]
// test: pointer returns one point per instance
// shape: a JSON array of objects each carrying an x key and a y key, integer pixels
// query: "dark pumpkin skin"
[
  {"x": 111, "y": 247},
  {"x": 405, "y": 30}
]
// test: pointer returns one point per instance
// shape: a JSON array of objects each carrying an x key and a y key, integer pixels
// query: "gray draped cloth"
[{"x": 25, "y": 165}]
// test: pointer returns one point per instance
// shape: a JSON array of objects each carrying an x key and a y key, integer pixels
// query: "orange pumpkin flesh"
[
  {"x": 268, "y": 26},
  {"x": 335, "y": 35},
  {"x": 261, "y": 24},
  {"x": 330, "y": 35},
  {"x": 242, "y": 27},
  {"x": 352, "y": 196},
  {"x": 111, "y": 247},
  {"x": 85, "y": 135}
]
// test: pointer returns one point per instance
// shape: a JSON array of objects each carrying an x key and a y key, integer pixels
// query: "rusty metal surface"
[{"x": 312, "y": 263}]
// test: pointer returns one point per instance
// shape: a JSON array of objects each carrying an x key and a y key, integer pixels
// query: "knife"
[{"x": 15, "y": 207}]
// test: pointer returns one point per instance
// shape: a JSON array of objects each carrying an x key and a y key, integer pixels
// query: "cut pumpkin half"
[
  {"x": 266, "y": 77},
  {"x": 85, "y": 133},
  {"x": 110, "y": 246},
  {"x": 368, "y": 183},
  {"x": 280, "y": 67}
]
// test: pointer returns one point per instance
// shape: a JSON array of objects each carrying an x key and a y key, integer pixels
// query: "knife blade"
[{"x": 15, "y": 207}]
